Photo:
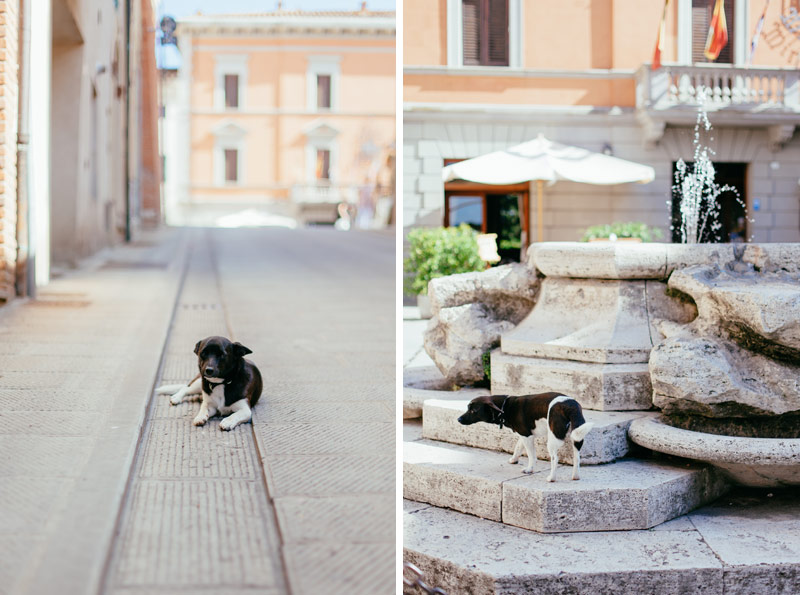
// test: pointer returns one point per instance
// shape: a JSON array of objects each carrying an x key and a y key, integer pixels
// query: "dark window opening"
[
  {"x": 701, "y": 20},
  {"x": 231, "y": 90},
  {"x": 485, "y": 32},
  {"x": 731, "y": 216},
  {"x": 323, "y": 168},
  {"x": 323, "y": 91},
  {"x": 231, "y": 165}
]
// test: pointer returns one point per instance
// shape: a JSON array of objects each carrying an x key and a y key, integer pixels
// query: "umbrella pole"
[{"x": 539, "y": 225}]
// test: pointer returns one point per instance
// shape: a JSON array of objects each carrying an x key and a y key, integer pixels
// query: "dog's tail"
[
  {"x": 579, "y": 433},
  {"x": 169, "y": 389}
]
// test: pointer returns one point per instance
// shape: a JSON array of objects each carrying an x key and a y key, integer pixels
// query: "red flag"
[
  {"x": 660, "y": 40},
  {"x": 717, "y": 32}
]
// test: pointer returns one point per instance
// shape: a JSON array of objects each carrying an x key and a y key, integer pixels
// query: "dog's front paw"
[
  {"x": 227, "y": 424},
  {"x": 176, "y": 399},
  {"x": 575, "y": 477},
  {"x": 513, "y": 460},
  {"x": 528, "y": 470},
  {"x": 550, "y": 478},
  {"x": 200, "y": 420}
]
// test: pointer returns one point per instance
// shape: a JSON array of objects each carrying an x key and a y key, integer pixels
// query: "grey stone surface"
[
  {"x": 470, "y": 312},
  {"x": 606, "y": 260},
  {"x": 593, "y": 320},
  {"x": 463, "y": 554},
  {"x": 508, "y": 291},
  {"x": 760, "y": 462},
  {"x": 413, "y": 398},
  {"x": 458, "y": 337},
  {"x": 742, "y": 349},
  {"x": 604, "y": 387},
  {"x": 628, "y": 494},
  {"x": 606, "y": 442},
  {"x": 78, "y": 366}
]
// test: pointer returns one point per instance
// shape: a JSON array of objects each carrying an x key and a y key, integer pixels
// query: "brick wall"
[{"x": 9, "y": 60}]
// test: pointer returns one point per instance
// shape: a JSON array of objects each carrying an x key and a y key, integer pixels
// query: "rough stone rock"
[
  {"x": 760, "y": 311},
  {"x": 457, "y": 338},
  {"x": 509, "y": 291},
  {"x": 709, "y": 376},
  {"x": 471, "y": 310}
]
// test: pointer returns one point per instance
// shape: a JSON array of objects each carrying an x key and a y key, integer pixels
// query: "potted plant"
[
  {"x": 631, "y": 231},
  {"x": 438, "y": 252}
]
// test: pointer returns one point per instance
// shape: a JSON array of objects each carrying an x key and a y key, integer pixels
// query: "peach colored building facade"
[
  {"x": 579, "y": 72},
  {"x": 294, "y": 110}
]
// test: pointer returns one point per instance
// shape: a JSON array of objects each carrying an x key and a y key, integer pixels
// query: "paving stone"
[
  {"x": 285, "y": 411},
  {"x": 464, "y": 554},
  {"x": 43, "y": 456},
  {"x": 49, "y": 423},
  {"x": 27, "y": 507},
  {"x": 174, "y": 526},
  {"x": 341, "y": 569},
  {"x": 178, "y": 449},
  {"x": 325, "y": 438},
  {"x": 627, "y": 494},
  {"x": 337, "y": 519},
  {"x": 319, "y": 475},
  {"x": 57, "y": 399},
  {"x": 304, "y": 390}
]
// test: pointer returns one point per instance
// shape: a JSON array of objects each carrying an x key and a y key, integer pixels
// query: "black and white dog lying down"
[
  {"x": 528, "y": 416},
  {"x": 230, "y": 385}
]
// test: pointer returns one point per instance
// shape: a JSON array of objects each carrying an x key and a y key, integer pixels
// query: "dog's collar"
[
  {"x": 501, "y": 417},
  {"x": 215, "y": 384}
]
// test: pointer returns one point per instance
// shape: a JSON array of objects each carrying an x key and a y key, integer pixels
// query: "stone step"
[
  {"x": 606, "y": 442},
  {"x": 414, "y": 397},
  {"x": 598, "y": 386},
  {"x": 735, "y": 546},
  {"x": 627, "y": 494}
]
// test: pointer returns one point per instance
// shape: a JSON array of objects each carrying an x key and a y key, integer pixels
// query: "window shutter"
[
  {"x": 497, "y": 23},
  {"x": 471, "y": 27},
  {"x": 323, "y": 164},
  {"x": 231, "y": 90},
  {"x": 231, "y": 165},
  {"x": 701, "y": 20},
  {"x": 323, "y": 91}
]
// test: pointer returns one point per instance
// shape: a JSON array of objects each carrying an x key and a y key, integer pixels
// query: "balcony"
[
  {"x": 754, "y": 97},
  {"x": 316, "y": 203}
]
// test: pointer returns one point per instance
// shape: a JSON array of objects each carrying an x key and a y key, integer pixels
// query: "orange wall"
[
  {"x": 275, "y": 115},
  {"x": 425, "y": 32}
]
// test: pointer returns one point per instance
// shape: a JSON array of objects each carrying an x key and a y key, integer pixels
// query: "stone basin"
[{"x": 755, "y": 462}]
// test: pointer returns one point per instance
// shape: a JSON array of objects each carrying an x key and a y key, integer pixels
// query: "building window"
[
  {"x": 701, "y": 21},
  {"x": 323, "y": 165},
  {"x": 230, "y": 81},
  {"x": 323, "y": 91},
  {"x": 231, "y": 165},
  {"x": 322, "y": 82},
  {"x": 485, "y": 35},
  {"x": 232, "y": 90}
]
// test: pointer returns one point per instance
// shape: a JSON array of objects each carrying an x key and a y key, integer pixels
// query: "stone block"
[
  {"x": 588, "y": 320},
  {"x": 600, "y": 260},
  {"x": 414, "y": 398},
  {"x": 603, "y": 387},
  {"x": 456, "y": 477},
  {"x": 628, "y": 494},
  {"x": 606, "y": 442}
]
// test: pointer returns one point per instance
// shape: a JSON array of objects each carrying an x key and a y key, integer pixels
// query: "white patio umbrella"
[{"x": 543, "y": 160}]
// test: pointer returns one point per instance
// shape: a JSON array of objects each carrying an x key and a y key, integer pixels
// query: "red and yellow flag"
[
  {"x": 660, "y": 40},
  {"x": 717, "y": 32}
]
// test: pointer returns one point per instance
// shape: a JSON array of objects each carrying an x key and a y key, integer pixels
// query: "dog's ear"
[
  {"x": 490, "y": 403},
  {"x": 199, "y": 346},
  {"x": 240, "y": 350}
]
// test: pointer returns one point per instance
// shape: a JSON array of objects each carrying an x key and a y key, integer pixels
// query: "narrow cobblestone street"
[{"x": 112, "y": 490}]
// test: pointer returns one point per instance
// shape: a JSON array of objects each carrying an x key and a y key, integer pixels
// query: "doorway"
[
  {"x": 732, "y": 217},
  {"x": 499, "y": 210}
]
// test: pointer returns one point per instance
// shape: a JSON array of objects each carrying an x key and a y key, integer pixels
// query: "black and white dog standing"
[
  {"x": 230, "y": 385},
  {"x": 528, "y": 416}
]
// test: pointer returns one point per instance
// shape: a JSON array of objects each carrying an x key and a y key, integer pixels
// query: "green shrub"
[
  {"x": 438, "y": 252},
  {"x": 631, "y": 229}
]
